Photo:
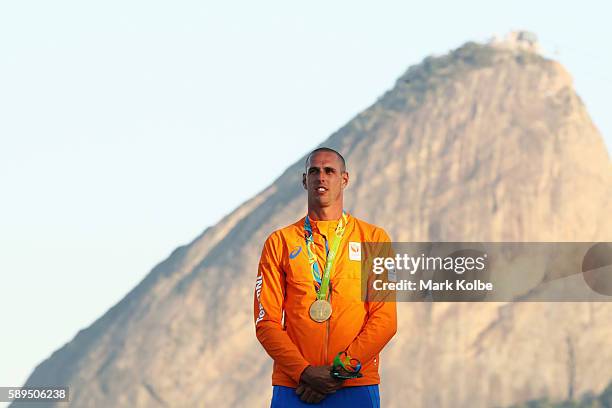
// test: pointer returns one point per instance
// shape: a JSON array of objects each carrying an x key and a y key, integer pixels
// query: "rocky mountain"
[{"x": 489, "y": 142}]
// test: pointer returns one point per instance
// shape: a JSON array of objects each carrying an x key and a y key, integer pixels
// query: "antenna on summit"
[{"x": 517, "y": 40}]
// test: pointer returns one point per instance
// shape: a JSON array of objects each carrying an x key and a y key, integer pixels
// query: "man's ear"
[
  {"x": 304, "y": 181},
  {"x": 345, "y": 179}
]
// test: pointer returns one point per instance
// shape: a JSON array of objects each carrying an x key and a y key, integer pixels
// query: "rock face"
[{"x": 486, "y": 143}]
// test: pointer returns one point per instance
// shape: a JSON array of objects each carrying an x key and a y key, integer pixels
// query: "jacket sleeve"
[
  {"x": 268, "y": 310},
  {"x": 381, "y": 322}
]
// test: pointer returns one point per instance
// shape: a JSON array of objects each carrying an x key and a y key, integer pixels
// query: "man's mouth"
[{"x": 321, "y": 189}]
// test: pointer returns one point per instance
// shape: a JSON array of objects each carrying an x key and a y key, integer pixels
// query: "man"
[{"x": 309, "y": 313}]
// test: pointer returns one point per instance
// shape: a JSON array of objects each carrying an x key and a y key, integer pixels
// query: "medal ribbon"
[{"x": 321, "y": 283}]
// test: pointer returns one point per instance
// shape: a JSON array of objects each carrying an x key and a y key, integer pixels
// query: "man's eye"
[
  {"x": 312, "y": 171},
  {"x": 330, "y": 170}
]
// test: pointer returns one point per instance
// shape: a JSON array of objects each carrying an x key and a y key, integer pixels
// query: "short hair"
[{"x": 325, "y": 149}]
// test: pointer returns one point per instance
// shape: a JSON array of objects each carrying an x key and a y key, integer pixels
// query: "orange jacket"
[{"x": 285, "y": 290}]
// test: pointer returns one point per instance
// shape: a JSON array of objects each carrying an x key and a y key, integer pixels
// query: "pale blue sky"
[{"x": 127, "y": 127}]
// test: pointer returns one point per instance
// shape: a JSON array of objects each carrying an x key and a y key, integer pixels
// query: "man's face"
[{"x": 324, "y": 179}]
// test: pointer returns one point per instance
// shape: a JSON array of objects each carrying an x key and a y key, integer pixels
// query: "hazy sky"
[{"x": 127, "y": 127}]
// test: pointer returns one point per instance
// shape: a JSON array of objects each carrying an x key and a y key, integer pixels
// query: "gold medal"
[{"x": 320, "y": 310}]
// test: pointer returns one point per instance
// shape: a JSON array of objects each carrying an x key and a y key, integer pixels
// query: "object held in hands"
[{"x": 345, "y": 367}]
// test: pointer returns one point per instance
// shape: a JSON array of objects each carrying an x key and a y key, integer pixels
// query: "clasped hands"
[{"x": 316, "y": 383}]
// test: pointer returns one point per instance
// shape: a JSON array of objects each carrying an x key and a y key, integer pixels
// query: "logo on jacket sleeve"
[
  {"x": 355, "y": 251},
  {"x": 296, "y": 251},
  {"x": 262, "y": 312}
]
